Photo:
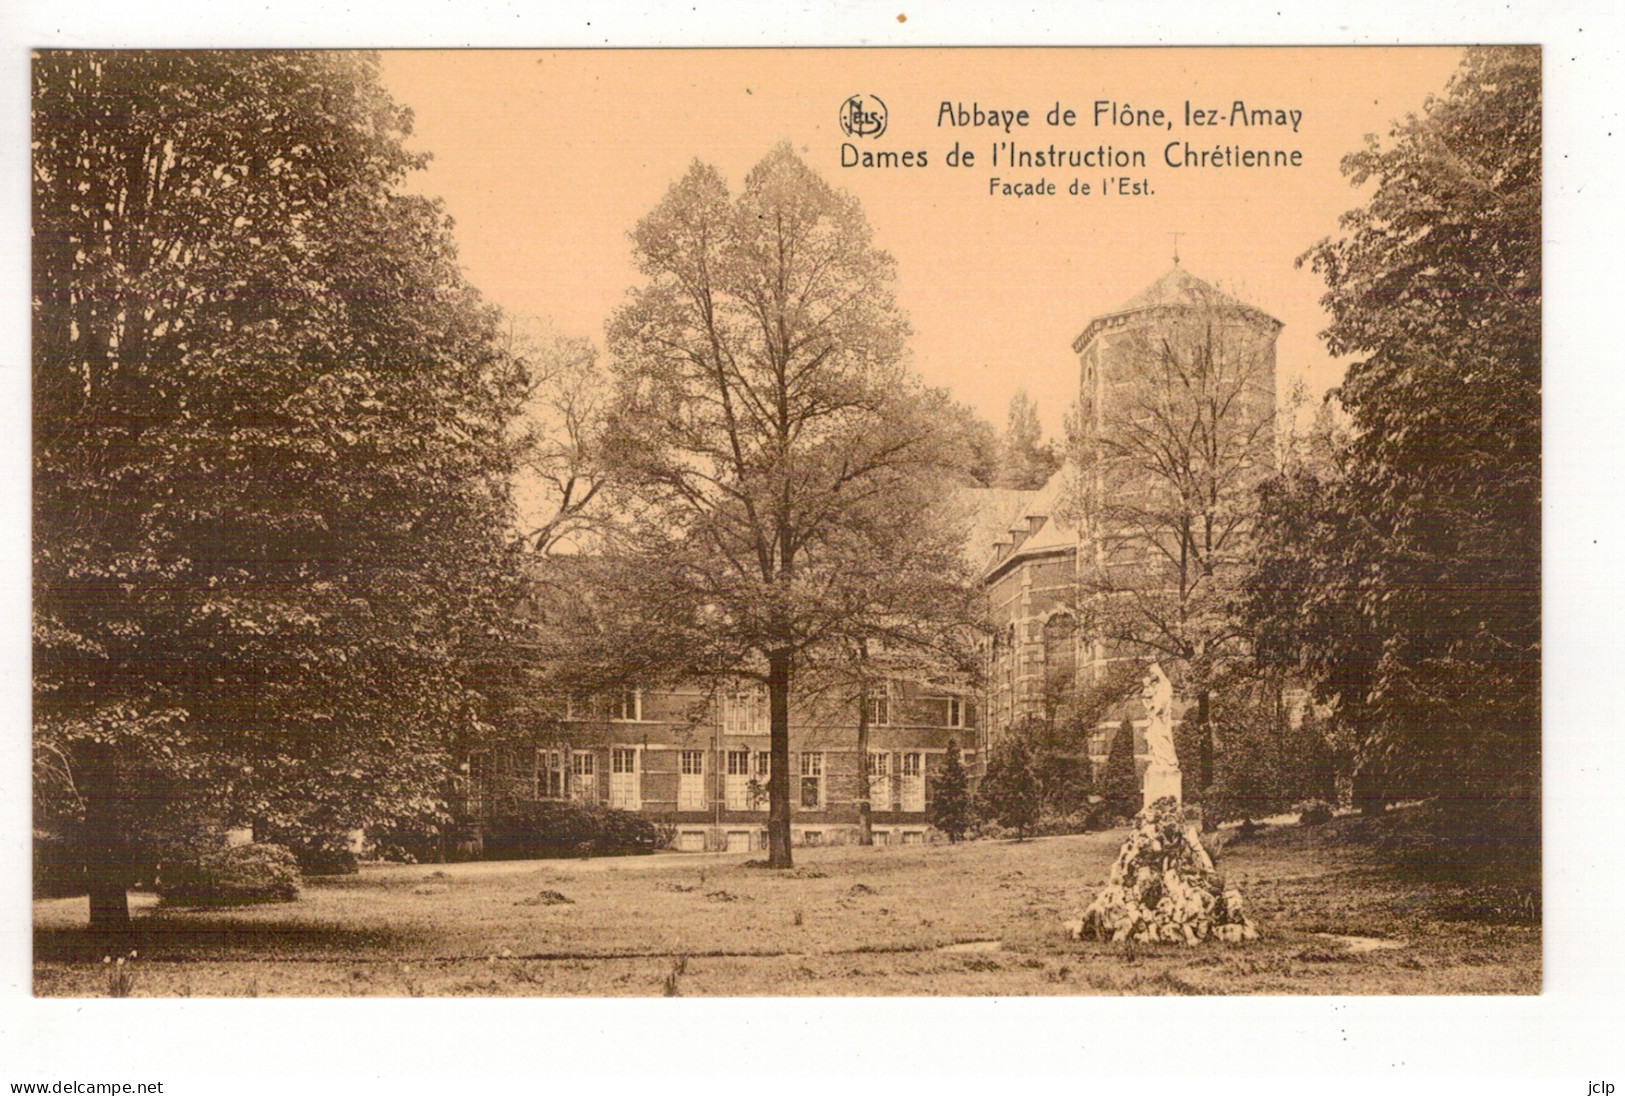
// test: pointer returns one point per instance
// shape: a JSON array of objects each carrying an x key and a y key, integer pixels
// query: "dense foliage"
[
  {"x": 1120, "y": 781},
  {"x": 1271, "y": 760},
  {"x": 1406, "y": 577},
  {"x": 270, "y": 452},
  {"x": 230, "y": 876},
  {"x": 949, "y": 808},
  {"x": 546, "y": 828},
  {"x": 1026, "y": 461},
  {"x": 1009, "y": 793}
]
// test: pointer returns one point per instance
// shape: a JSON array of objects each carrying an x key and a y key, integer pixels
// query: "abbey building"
[{"x": 1088, "y": 576}]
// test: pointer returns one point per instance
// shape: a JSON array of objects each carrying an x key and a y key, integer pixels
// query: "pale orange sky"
[{"x": 547, "y": 159}]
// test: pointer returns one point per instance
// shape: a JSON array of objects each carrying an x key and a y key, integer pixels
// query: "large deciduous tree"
[
  {"x": 1406, "y": 576},
  {"x": 270, "y": 452},
  {"x": 787, "y": 467}
]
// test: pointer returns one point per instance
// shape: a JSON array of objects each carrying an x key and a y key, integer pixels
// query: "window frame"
[
  {"x": 812, "y": 768},
  {"x": 548, "y": 774},
  {"x": 620, "y": 707}
]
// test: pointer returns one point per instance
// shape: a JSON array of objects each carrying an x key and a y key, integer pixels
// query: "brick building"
[{"x": 697, "y": 759}]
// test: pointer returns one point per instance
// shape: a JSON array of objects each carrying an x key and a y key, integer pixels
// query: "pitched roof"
[
  {"x": 992, "y": 511},
  {"x": 1021, "y": 523},
  {"x": 1178, "y": 288}
]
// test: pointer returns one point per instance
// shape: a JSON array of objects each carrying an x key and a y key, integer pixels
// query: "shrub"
[
  {"x": 1009, "y": 793},
  {"x": 230, "y": 876},
  {"x": 1313, "y": 812},
  {"x": 1057, "y": 823},
  {"x": 550, "y": 828},
  {"x": 1267, "y": 764},
  {"x": 1120, "y": 784},
  {"x": 950, "y": 807},
  {"x": 328, "y": 858},
  {"x": 59, "y": 865}
]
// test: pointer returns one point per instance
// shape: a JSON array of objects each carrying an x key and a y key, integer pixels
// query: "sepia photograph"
[{"x": 793, "y": 522}]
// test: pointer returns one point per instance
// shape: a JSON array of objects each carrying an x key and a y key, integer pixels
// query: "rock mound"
[{"x": 1163, "y": 887}]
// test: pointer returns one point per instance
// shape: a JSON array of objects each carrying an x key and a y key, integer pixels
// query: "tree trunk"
[
  {"x": 866, "y": 833},
  {"x": 1204, "y": 770},
  {"x": 106, "y": 853},
  {"x": 778, "y": 781}
]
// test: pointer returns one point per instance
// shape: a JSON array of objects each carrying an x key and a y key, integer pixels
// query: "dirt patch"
[
  {"x": 546, "y": 898},
  {"x": 1361, "y": 944}
]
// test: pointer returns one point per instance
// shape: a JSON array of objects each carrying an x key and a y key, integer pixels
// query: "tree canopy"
[
  {"x": 1406, "y": 577},
  {"x": 1026, "y": 461},
  {"x": 789, "y": 472},
  {"x": 271, "y": 449}
]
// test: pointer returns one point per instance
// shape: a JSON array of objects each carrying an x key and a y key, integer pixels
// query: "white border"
[{"x": 411, "y": 1046}]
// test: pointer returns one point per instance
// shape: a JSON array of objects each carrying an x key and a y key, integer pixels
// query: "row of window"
[
  {"x": 745, "y": 786},
  {"x": 747, "y": 840},
  {"x": 742, "y": 712}
]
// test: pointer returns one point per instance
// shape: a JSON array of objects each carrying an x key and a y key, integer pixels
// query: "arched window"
[{"x": 1060, "y": 660}]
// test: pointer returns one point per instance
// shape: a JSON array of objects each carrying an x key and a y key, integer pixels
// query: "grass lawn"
[{"x": 984, "y": 918}]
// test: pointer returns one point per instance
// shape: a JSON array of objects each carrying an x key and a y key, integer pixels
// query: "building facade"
[{"x": 696, "y": 759}]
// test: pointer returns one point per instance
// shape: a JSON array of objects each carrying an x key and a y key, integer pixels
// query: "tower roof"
[{"x": 1180, "y": 289}]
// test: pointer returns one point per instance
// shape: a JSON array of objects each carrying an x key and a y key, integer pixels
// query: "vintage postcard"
[{"x": 787, "y": 522}]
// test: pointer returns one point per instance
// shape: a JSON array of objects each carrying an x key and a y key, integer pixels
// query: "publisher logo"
[{"x": 863, "y": 116}]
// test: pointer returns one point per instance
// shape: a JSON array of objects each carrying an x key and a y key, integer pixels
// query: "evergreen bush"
[
  {"x": 1120, "y": 783},
  {"x": 1010, "y": 795},
  {"x": 551, "y": 828},
  {"x": 950, "y": 806},
  {"x": 230, "y": 876}
]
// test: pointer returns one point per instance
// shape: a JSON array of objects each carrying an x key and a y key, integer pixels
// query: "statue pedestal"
[{"x": 1162, "y": 780}]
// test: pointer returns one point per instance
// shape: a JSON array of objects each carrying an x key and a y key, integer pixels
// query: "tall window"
[
  {"x": 744, "y": 710},
  {"x": 764, "y": 768},
  {"x": 549, "y": 774},
  {"x": 623, "y": 778},
  {"x": 812, "y": 781},
  {"x": 880, "y": 797},
  {"x": 956, "y": 712},
  {"x": 913, "y": 790},
  {"x": 1011, "y": 659},
  {"x": 1060, "y": 661},
  {"x": 691, "y": 781},
  {"x": 584, "y": 776},
  {"x": 736, "y": 788},
  {"x": 879, "y": 710}
]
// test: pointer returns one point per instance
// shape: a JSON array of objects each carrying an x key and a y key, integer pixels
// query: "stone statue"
[
  {"x": 1158, "y": 694},
  {"x": 1162, "y": 777}
]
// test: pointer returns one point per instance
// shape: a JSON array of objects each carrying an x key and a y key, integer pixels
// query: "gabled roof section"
[
  {"x": 1010, "y": 525},
  {"x": 1177, "y": 289},
  {"x": 992, "y": 511}
]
